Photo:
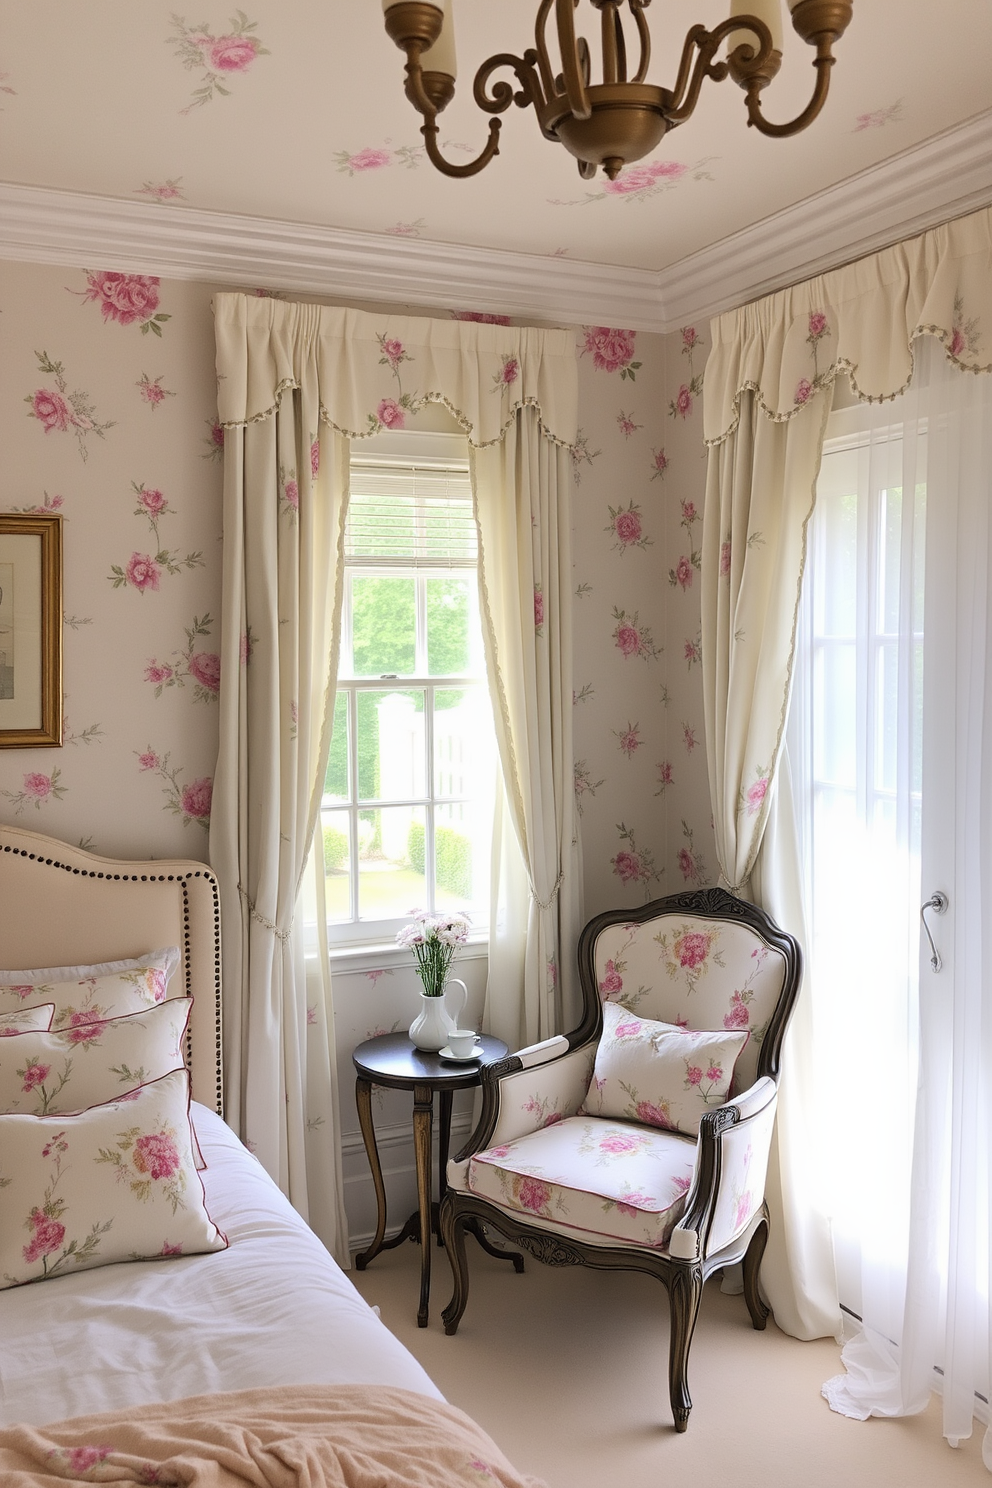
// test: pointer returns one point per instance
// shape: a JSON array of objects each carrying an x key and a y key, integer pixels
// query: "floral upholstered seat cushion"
[
  {"x": 606, "y": 1178},
  {"x": 696, "y": 973},
  {"x": 115, "y": 1183},
  {"x": 656, "y": 1073}
]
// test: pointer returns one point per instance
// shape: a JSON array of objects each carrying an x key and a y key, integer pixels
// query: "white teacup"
[{"x": 461, "y": 1042}]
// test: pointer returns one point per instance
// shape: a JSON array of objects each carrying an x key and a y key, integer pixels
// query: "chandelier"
[{"x": 623, "y": 118}]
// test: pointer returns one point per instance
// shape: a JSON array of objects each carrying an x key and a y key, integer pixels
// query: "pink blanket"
[{"x": 349, "y": 1436}]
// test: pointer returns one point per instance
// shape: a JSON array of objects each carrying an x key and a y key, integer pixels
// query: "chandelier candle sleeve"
[
  {"x": 441, "y": 56},
  {"x": 769, "y": 11}
]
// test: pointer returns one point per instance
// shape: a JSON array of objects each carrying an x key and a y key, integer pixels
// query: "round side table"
[{"x": 391, "y": 1060}]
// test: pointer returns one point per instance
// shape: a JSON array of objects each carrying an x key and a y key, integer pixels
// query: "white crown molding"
[
  {"x": 945, "y": 177},
  {"x": 39, "y": 225}
]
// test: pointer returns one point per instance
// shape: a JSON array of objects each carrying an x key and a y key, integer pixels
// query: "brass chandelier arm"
[
  {"x": 644, "y": 35},
  {"x": 429, "y": 131},
  {"x": 685, "y": 94},
  {"x": 575, "y": 88},
  {"x": 614, "y": 48},
  {"x": 502, "y": 92},
  {"x": 823, "y": 64},
  {"x": 541, "y": 46}
]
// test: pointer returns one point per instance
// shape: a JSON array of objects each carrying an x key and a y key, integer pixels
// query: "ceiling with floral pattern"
[{"x": 296, "y": 112}]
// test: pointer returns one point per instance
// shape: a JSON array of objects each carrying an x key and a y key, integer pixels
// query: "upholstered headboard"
[{"x": 61, "y": 906}]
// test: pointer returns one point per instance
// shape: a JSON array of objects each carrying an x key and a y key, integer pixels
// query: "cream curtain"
[
  {"x": 296, "y": 384},
  {"x": 767, "y": 393},
  {"x": 522, "y": 488}
]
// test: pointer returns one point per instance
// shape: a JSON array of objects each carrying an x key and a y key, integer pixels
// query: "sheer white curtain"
[{"x": 915, "y": 1199}]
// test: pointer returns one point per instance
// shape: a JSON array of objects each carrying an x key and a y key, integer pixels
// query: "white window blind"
[{"x": 410, "y": 516}]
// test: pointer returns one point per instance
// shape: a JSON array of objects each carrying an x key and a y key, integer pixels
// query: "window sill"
[{"x": 388, "y": 955}]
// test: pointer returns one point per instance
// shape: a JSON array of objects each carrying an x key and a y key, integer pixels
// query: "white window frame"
[{"x": 425, "y": 451}]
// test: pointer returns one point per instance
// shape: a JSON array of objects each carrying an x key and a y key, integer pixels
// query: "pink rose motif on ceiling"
[
  {"x": 128, "y": 299},
  {"x": 636, "y": 178},
  {"x": 156, "y": 1155},
  {"x": 360, "y": 162},
  {"x": 390, "y": 415},
  {"x": 216, "y": 58},
  {"x": 165, "y": 191},
  {"x": 612, "y": 350},
  {"x": 366, "y": 160}
]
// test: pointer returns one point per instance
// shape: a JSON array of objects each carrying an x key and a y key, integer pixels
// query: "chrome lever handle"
[{"x": 938, "y": 903}]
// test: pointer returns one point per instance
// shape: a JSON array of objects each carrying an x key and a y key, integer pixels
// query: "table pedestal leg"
[
  {"x": 363, "y": 1100},
  {"x": 423, "y": 1121}
]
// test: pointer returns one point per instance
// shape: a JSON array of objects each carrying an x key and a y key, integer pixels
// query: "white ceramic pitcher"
[{"x": 430, "y": 1028}]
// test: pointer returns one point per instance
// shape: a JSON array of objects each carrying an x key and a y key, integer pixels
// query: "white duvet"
[{"x": 273, "y": 1309}]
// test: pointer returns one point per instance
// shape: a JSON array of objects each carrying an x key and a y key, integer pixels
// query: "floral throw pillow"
[
  {"x": 115, "y": 1183},
  {"x": 42, "y": 1074},
  {"x": 659, "y": 1074},
  {"x": 27, "y": 1020},
  {"x": 85, "y": 994}
]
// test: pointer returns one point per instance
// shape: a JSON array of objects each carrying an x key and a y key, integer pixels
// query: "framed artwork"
[{"x": 30, "y": 630}]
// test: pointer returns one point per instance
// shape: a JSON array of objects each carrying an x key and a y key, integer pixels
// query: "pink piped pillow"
[
  {"x": 27, "y": 1020},
  {"x": 92, "y": 993},
  {"x": 658, "y": 1074}
]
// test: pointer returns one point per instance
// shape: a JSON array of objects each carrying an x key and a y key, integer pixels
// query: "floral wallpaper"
[
  {"x": 107, "y": 417},
  {"x": 106, "y": 408}
]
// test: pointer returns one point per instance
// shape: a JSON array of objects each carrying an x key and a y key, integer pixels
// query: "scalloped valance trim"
[
  {"x": 290, "y": 384},
  {"x": 863, "y": 321}
]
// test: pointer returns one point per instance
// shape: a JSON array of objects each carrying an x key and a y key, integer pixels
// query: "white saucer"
[{"x": 452, "y": 1058}]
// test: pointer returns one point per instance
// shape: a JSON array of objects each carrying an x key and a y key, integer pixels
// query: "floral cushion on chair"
[
  {"x": 696, "y": 973},
  {"x": 115, "y": 1183},
  {"x": 659, "y": 1074},
  {"x": 602, "y": 1178}
]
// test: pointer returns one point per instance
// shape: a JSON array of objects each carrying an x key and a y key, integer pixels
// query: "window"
[
  {"x": 408, "y": 804},
  {"x": 856, "y": 747}
]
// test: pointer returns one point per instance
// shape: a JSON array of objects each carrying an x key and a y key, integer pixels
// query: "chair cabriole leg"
[
  {"x": 685, "y": 1289},
  {"x": 756, "y": 1304},
  {"x": 453, "y": 1235}
]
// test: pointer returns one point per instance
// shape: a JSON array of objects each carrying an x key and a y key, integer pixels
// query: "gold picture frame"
[{"x": 30, "y": 630}]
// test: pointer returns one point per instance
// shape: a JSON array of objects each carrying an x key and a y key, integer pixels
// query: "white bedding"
[{"x": 272, "y": 1309}]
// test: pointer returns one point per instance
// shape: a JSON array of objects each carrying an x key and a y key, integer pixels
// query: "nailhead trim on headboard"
[{"x": 182, "y": 879}]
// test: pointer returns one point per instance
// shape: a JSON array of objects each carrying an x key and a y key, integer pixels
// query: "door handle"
[{"x": 938, "y": 903}]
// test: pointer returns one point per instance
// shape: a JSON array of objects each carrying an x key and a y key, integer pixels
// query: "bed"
[{"x": 266, "y": 1336}]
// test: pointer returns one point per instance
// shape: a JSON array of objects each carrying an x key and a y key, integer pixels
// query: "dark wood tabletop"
[{"x": 390, "y": 1059}]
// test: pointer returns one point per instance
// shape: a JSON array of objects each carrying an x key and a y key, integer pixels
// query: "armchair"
[{"x": 579, "y": 1166}]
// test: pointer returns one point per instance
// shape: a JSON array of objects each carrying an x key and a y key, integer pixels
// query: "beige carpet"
[{"x": 567, "y": 1369}]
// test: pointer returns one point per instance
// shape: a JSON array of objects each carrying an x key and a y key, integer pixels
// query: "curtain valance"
[
  {"x": 376, "y": 368},
  {"x": 862, "y": 319}
]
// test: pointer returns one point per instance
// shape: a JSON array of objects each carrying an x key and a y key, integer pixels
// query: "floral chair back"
[{"x": 695, "y": 970}]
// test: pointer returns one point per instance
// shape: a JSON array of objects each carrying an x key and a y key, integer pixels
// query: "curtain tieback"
[
  {"x": 260, "y": 919},
  {"x": 736, "y": 889},
  {"x": 553, "y": 895}
]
